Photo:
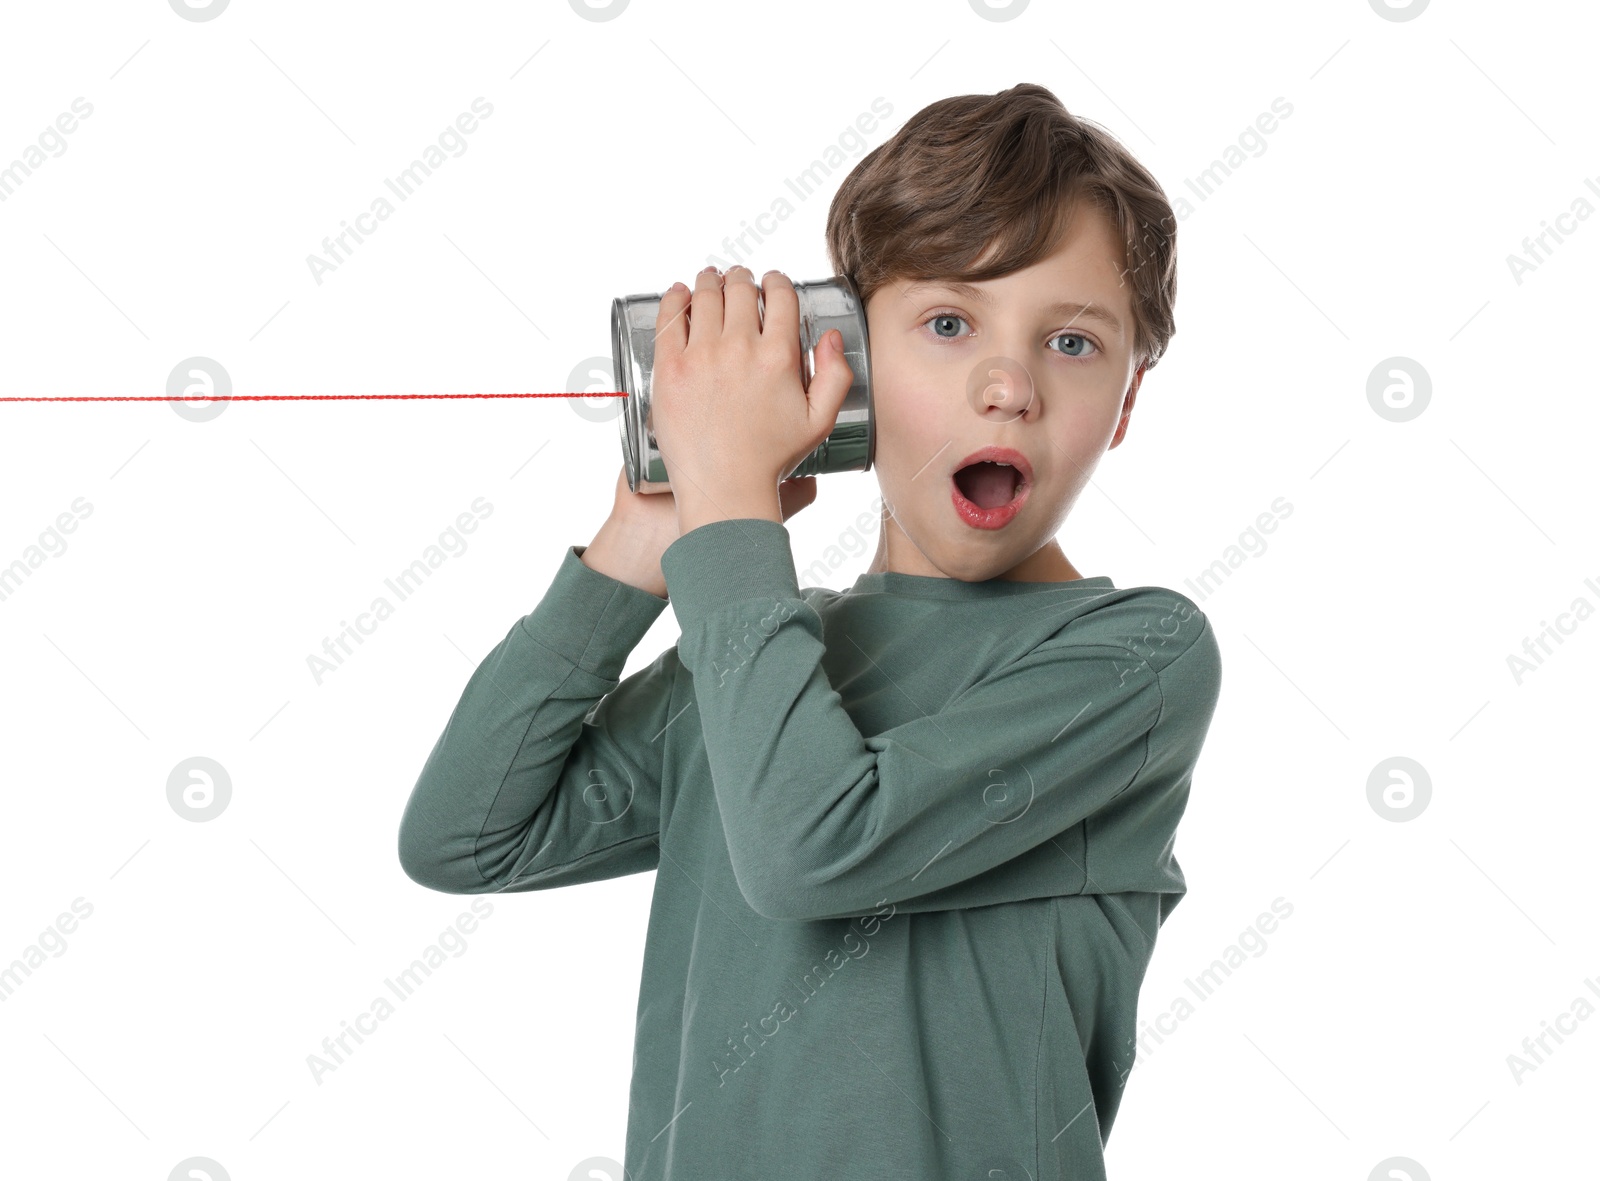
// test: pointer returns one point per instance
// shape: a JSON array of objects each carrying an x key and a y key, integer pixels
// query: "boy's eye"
[
  {"x": 944, "y": 327},
  {"x": 1084, "y": 347}
]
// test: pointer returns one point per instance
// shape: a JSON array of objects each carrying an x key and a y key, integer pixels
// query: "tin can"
[{"x": 824, "y": 304}]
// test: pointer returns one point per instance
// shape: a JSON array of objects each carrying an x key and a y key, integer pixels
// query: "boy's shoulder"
[{"x": 1156, "y": 624}]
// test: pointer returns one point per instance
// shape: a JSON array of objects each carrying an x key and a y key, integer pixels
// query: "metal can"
[{"x": 824, "y": 304}]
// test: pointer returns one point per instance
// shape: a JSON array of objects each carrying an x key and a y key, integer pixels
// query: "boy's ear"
[{"x": 1127, "y": 406}]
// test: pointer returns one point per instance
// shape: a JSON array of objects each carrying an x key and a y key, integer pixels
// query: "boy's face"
[{"x": 952, "y": 372}]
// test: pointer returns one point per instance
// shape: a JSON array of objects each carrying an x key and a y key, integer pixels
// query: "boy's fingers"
[
  {"x": 796, "y": 494},
  {"x": 705, "y": 310},
  {"x": 740, "y": 313},
  {"x": 781, "y": 316},
  {"x": 831, "y": 384},
  {"x": 672, "y": 321}
]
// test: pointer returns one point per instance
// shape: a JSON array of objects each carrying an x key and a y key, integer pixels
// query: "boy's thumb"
[{"x": 832, "y": 381}]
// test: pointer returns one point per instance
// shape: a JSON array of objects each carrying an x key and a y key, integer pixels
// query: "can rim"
[
  {"x": 866, "y": 360},
  {"x": 622, "y": 371}
]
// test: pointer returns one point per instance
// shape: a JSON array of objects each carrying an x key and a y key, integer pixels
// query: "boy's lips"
[
  {"x": 995, "y": 515},
  {"x": 1008, "y": 455}
]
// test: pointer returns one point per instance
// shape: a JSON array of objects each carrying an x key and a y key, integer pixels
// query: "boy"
[{"x": 913, "y": 840}]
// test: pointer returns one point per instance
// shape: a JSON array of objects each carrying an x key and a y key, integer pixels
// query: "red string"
[{"x": 321, "y": 397}]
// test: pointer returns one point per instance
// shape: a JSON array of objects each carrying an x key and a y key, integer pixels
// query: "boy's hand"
[
  {"x": 642, "y": 525},
  {"x": 727, "y": 407}
]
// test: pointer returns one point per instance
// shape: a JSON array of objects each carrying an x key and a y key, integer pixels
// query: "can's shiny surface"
[{"x": 824, "y": 304}]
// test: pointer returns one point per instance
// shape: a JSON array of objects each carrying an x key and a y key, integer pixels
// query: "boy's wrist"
[
  {"x": 726, "y": 562},
  {"x": 624, "y": 558},
  {"x": 698, "y": 508}
]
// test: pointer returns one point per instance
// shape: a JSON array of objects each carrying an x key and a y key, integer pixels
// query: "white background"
[{"x": 1377, "y": 622}]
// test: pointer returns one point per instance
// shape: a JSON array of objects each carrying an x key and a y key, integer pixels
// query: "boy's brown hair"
[{"x": 1003, "y": 169}]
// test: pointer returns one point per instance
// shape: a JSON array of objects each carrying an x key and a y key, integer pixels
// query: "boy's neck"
[{"x": 1046, "y": 564}]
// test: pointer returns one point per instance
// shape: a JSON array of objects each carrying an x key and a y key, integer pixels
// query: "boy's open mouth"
[
  {"x": 990, "y": 487},
  {"x": 988, "y": 484}
]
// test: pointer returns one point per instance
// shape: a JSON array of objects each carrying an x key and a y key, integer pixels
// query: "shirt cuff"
[
  {"x": 590, "y": 619},
  {"x": 722, "y": 562}
]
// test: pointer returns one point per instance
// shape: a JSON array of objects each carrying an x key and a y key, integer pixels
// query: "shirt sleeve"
[
  {"x": 548, "y": 772},
  {"x": 988, "y": 799}
]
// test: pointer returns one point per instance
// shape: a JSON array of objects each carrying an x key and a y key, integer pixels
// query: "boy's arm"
[
  {"x": 524, "y": 790},
  {"x": 988, "y": 800}
]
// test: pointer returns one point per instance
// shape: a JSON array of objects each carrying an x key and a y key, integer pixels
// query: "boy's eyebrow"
[{"x": 1079, "y": 311}]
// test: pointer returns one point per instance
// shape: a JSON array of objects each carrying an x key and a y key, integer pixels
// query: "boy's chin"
[{"x": 978, "y": 558}]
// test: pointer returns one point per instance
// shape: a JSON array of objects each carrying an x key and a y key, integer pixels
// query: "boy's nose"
[{"x": 1000, "y": 383}]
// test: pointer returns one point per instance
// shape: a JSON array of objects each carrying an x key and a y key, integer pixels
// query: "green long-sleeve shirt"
[{"x": 913, "y": 842}]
